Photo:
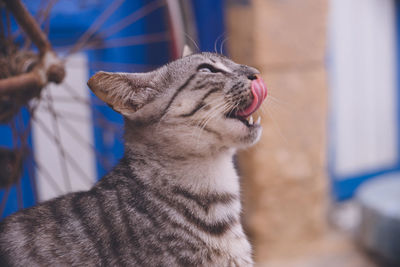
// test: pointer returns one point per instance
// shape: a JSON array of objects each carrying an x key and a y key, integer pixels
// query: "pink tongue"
[{"x": 259, "y": 91}]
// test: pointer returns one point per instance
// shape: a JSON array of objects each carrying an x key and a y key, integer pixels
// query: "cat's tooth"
[
  {"x": 251, "y": 120},
  {"x": 258, "y": 120}
]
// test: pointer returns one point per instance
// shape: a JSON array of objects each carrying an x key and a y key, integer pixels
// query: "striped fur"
[{"x": 173, "y": 200}]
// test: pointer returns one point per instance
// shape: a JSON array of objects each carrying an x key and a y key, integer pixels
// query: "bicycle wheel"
[{"x": 62, "y": 138}]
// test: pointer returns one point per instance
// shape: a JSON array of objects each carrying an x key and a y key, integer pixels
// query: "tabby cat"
[{"x": 173, "y": 199}]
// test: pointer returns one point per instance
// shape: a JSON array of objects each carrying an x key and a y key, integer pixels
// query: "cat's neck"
[{"x": 200, "y": 173}]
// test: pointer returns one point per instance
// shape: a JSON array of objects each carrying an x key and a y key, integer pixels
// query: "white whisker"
[
  {"x": 192, "y": 40},
  {"x": 222, "y": 45}
]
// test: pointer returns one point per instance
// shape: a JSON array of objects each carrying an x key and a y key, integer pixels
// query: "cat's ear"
[
  {"x": 124, "y": 92},
  {"x": 186, "y": 51}
]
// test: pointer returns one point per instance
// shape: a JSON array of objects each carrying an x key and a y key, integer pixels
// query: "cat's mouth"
[{"x": 244, "y": 113}]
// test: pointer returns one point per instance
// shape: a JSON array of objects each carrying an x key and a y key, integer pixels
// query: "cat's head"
[{"x": 199, "y": 102}]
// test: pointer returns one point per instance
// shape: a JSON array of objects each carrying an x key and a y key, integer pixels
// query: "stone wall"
[{"x": 284, "y": 177}]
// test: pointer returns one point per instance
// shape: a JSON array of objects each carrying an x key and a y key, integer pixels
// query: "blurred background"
[{"x": 321, "y": 187}]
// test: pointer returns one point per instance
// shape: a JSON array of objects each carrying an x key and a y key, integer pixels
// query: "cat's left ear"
[
  {"x": 126, "y": 93},
  {"x": 187, "y": 51}
]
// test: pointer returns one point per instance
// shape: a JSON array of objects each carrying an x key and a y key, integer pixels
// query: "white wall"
[
  {"x": 363, "y": 87},
  {"x": 52, "y": 179}
]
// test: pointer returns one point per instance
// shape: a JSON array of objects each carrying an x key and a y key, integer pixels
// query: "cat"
[{"x": 173, "y": 199}]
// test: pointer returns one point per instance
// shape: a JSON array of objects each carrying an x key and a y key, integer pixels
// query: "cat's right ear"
[
  {"x": 186, "y": 51},
  {"x": 126, "y": 93}
]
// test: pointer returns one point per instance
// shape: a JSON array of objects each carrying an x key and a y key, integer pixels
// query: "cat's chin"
[
  {"x": 252, "y": 137},
  {"x": 245, "y": 134}
]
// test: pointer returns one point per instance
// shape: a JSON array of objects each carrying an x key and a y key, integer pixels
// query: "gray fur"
[{"x": 173, "y": 200}]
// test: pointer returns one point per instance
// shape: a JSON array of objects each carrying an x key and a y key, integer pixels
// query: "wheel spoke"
[
  {"x": 19, "y": 156},
  {"x": 31, "y": 177},
  {"x": 130, "y": 41},
  {"x": 126, "y": 41},
  {"x": 42, "y": 17},
  {"x": 71, "y": 91},
  {"x": 86, "y": 143},
  {"x": 84, "y": 40},
  {"x": 95, "y": 101},
  {"x": 77, "y": 136},
  {"x": 95, "y": 26},
  {"x": 69, "y": 115},
  {"x": 119, "y": 66},
  {"x": 20, "y": 202},
  {"x": 4, "y": 201},
  {"x": 2, "y": 29},
  {"x": 8, "y": 21},
  {"x": 45, "y": 17},
  {"x": 57, "y": 142},
  {"x": 130, "y": 19},
  {"x": 98, "y": 119},
  {"x": 56, "y": 130},
  {"x": 46, "y": 174}
]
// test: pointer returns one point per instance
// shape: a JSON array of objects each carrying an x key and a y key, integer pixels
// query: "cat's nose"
[
  {"x": 249, "y": 72},
  {"x": 252, "y": 77}
]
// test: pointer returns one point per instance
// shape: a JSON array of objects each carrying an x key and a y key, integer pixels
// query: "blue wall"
[{"x": 210, "y": 19}]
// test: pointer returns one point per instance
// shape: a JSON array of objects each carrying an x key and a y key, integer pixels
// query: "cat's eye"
[
  {"x": 208, "y": 68},
  {"x": 205, "y": 69}
]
